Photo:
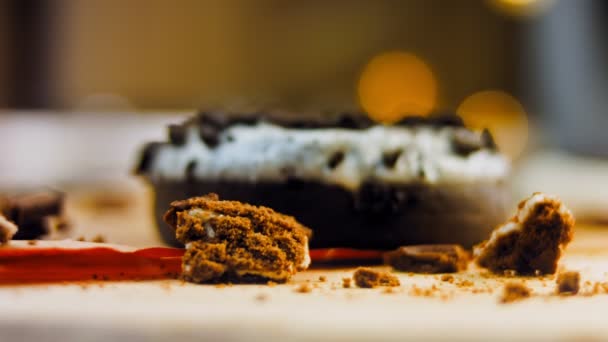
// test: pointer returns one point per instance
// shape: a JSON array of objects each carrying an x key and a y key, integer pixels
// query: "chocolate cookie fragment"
[
  {"x": 367, "y": 278},
  {"x": 33, "y": 213},
  {"x": 532, "y": 241},
  {"x": 444, "y": 258},
  {"x": 7, "y": 230},
  {"x": 514, "y": 291},
  {"x": 237, "y": 242},
  {"x": 568, "y": 283}
]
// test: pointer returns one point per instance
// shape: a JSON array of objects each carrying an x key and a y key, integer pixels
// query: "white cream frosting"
[{"x": 263, "y": 151}]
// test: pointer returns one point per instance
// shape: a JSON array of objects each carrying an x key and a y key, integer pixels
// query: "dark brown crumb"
[
  {"x": 99, "y": 239},
  {"x": 514, "y": 291},
  {"x": 530, "y": 245},
  {"x": 33, "y": 213},
  {"x": 367, "y": 278},
  {"x": 32, "y": 242},
  {"x": 389, "y": 290},
  {"x": 346, "y": 282},
  {"x": 465, "y": 283},
  {"x": 428, "y": 258},
  {"x": 233, "y": 241},
  {"x": 447, "y": 277},
  {"x": 422, "y": 292},
  {"x": 262, "y": 297},
  {"x": 568, "y": 283},
  {"x": 322, "y": 279},
  {"x": 304, "y": 288},
  {"x": 81, "y": 238}
]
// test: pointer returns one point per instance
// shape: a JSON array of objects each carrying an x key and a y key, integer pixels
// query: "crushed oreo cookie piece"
[
  {"x": 568, "y": 283},
  {"x": 532, "y": 241},
  {"x": 442, "y": 258},
  {"x": 31, "y": 213},
  {"x": 368, "y": 277}
]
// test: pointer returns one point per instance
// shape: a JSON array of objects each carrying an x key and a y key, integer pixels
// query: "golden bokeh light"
[
  {"x": 521, "y": 8},
  {"x": 502, "y": 114},
  {"x": 395, "y": 84}
]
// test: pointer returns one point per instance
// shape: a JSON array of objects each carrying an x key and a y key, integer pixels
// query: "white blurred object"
[
  {"x": 581, "y": 182},
  {"x": 54, "y": 149}
]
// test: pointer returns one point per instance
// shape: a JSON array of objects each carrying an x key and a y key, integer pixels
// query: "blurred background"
[{"x": 83, "y": 84}]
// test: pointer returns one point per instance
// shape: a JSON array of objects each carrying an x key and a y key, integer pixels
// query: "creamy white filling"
[{"x": 264, "y": 151}]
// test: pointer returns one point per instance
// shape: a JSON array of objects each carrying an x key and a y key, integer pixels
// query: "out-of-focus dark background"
[{"x": 534, "y": 71}]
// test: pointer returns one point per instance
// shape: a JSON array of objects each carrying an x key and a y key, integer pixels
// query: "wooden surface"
[{"x": 423, "y": 307}]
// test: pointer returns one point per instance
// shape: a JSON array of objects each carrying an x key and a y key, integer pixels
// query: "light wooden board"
[
  {"x": 175, "y": 311},
  {"x": 172, "y": 310}
]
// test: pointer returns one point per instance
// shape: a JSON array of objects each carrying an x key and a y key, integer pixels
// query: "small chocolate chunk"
[
  {"x": 389, "y": 158},
  {"x": 514, "y": 291},
  {"x": 147, "y": 157},
  {"x": 189, "y": 172},
  {"x": 209, "y": 135},
  {"x": 367, "y": 278},
  {"x": 487, "y": 140},
  {"x": 466, "y": 142},
  {"x": 177, "y": 134},
  {"x": 428, "y": 259},
  {"x": 335, "y": 159},
  {"x": 568, "y": 283}
]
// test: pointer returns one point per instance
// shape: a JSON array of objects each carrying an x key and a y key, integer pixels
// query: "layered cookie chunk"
[
  {"x": 532, "y": 241},
  {"x": 233, "y": 241},
  {"x": 355, "y": 183}
]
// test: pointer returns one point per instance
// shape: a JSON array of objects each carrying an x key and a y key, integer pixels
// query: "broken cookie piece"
[
  {"x": 367, "y": 278},
  {"x": 36, "y": 214},
  {"x": 568, "y": 283},
  {"x": 514, "y": 292},
  {"x": 443, "y": 258},
  {"x": 532, "y": 241},
  {"x": 237, "y": 242},
  {"x": 7, "y": 230}
]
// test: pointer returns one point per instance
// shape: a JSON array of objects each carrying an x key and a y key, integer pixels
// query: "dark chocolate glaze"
[{"x": 377, "y": 216}]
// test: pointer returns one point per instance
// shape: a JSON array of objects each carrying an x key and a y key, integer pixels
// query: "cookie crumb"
[
  {"x": 99, "y": 239},
  {"x": 271, "y": 283},
  {"x": 32, "y": 242},
  {"x": 81, "y": 238},
  {"x": 568, "y": 283},
  {"x": 514, "y": 291},
  {"x": 389, "y": 290},
  {"x": 440, "y": 258},
  {"x": 346, "y": 282},
  {"x": 465, "y": 283},
  {"x": 304, "y": 288},
  {"x": 447, "y": 277},
  {"x": 367, "y": 278},
  {"x": 261, "y": 297},
  {"x": 322, "y": 278}
]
